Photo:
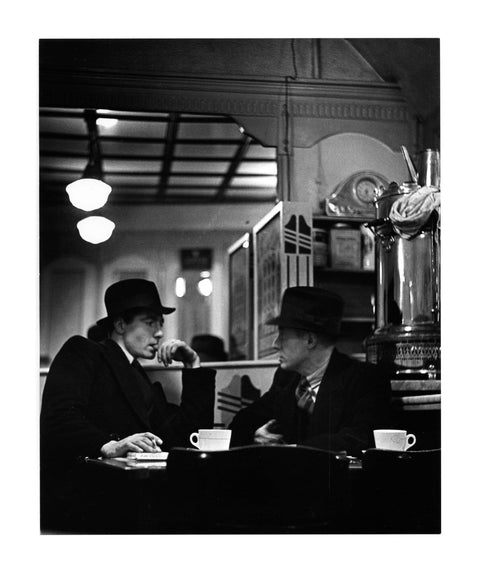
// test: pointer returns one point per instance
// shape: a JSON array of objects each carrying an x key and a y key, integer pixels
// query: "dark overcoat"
[
  {"x": 352, "y": 400},
  {"x": 90, "y": 398}
]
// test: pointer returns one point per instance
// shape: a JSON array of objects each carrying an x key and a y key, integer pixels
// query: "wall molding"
[
  {"x": 230, "y": 96},
  {"x": 258, "y": 104}
]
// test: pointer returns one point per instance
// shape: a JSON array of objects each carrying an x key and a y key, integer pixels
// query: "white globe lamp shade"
[
  {"x": 205, "y": 287},
  {"x": 180, "y": 287},
  {"x": 88, "y": 193},
  {"x": 95, "y": 229}
]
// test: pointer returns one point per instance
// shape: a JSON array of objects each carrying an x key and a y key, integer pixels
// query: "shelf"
[
  {"x": 358, "y": 320},
  {"x": 343, "y": 270},
  {"x": 334, "y": 219},
  {"x": 431, "y": 385}
]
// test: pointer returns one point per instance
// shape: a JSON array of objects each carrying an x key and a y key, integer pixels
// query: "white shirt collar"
[{"x": 314, "y": 379}]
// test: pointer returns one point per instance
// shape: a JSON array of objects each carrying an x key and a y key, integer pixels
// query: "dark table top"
[{"x": 144, "y": 469}]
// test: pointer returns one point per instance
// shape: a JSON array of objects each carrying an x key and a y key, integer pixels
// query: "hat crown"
[
  {"x": 310, "y": 308},
  {"x": 133, "y": 293},
  {"x": 210, "y": 345}
]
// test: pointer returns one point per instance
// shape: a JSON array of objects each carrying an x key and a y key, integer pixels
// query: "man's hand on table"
[
  {"x": 266, "y": 434},
  {"x": 139, "y": 442}
]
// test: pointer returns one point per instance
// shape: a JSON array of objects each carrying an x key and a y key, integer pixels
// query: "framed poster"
[
  {"x": 240, "y": 299},
  {"x": 282, "y": 257}
]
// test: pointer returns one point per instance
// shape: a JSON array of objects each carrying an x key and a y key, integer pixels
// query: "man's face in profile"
[
  {"x": 292, "y": 348},
  {"x": 143, "y": 334}
]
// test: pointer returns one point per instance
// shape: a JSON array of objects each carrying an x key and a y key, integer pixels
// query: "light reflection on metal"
[{"x": 407, "y": 310}]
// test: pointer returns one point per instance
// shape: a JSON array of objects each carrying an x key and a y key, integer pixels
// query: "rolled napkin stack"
[{"x": 410, "y": 212}]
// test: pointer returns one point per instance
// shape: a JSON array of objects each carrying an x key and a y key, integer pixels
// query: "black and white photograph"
[
  {"x": 155, "y": 156},
  {"x": 237, "y": 287}
]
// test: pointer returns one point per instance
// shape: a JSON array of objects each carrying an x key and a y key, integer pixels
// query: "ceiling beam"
[
  {"x": 149, "y": 199},
  {"x": 136, "y": 173},
  {"x": 232, "y": 169},
  {"x": 133, "y": 186},
  {"x": 141, "y": 140},
  {"x": 130, "y": 157},
  {"x": 168, "y": 153},
  {"x": 125, "y": 116}
]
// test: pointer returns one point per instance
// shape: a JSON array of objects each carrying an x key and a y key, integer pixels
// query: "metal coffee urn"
[{"x": 407, "y": 251}]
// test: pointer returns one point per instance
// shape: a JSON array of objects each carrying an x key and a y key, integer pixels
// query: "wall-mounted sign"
[
  {"x": 200, "y": 259},
  {"x": 282, "y": 257}
]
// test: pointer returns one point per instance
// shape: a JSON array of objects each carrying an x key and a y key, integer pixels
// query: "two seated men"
[{"x": 98, "y": 401}]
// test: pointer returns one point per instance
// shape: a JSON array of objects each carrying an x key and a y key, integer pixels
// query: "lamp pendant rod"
[{"x": 94, "y": 156}]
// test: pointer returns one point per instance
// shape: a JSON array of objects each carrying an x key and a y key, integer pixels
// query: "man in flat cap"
[
  {"x": 99, "y": 402},
  {"x": 319, "y": 397}
]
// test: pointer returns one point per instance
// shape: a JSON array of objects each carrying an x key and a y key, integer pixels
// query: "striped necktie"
[{"x": 305, "y": 396}]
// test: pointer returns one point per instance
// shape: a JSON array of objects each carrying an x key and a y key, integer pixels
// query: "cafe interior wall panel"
[
  {"x": 319, "y": 169},
  {"x": 240, "y": 285},
  {"x": 153, "y": 255},
  {"x": 236, "y": 385},
  {"x": 67, "y": 293},
  {"x": 65, "y": 314}
]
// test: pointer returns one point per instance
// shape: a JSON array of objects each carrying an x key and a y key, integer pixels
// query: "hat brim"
[
  {"x": 330, "y": 326},
  {"x": 157, "y": 310}
]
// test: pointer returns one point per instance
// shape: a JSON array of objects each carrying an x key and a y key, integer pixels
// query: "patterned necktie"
[{"x": 305, "y": 396}]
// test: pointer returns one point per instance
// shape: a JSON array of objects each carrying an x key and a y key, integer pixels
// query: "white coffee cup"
[
  {"x": 211, "y": 439},
  {"x": 393, "y": 439}
]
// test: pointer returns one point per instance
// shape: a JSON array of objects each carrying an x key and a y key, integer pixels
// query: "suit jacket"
[
  {"x": 89, "y": 399},
  {"x": 352, "y": 400}
]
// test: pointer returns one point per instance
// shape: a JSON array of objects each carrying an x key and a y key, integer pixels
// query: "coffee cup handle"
[
  {"x": 412, "y": 438},
  {"x": 193, "y": 436}
]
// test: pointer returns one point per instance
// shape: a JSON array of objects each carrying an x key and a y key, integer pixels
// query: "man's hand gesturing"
[
  {"x": 266, "y": 435},
  {"x": 177, "y": 350}
]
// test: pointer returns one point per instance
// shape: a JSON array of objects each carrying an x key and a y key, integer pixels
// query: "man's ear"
[
  {"x": 312, "y": 340},
  {"x": 119, "y": 326}
]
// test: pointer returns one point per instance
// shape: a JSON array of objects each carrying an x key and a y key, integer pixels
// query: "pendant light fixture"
[
  {"x": 90, "y": 192},
  {"x": 95, "y": 229}
]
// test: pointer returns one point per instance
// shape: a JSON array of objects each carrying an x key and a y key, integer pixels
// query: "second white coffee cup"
[
  {"x": 393, "y": 439},
  {"x": 211, "y": 439}
]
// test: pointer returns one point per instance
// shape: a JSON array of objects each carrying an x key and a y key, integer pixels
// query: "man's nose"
[{"x": 158, "y": 332}]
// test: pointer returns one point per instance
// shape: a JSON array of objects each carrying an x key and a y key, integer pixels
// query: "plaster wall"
[
  {"x": 319, "y": 169},
  {"x": 262, "y": 57}
]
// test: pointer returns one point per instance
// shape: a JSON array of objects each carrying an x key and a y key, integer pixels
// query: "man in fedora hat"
[
  {"x": 319, "y": 397},
  {"x": 210, "y": 348},
  {"x": 99, "y": 402}
]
